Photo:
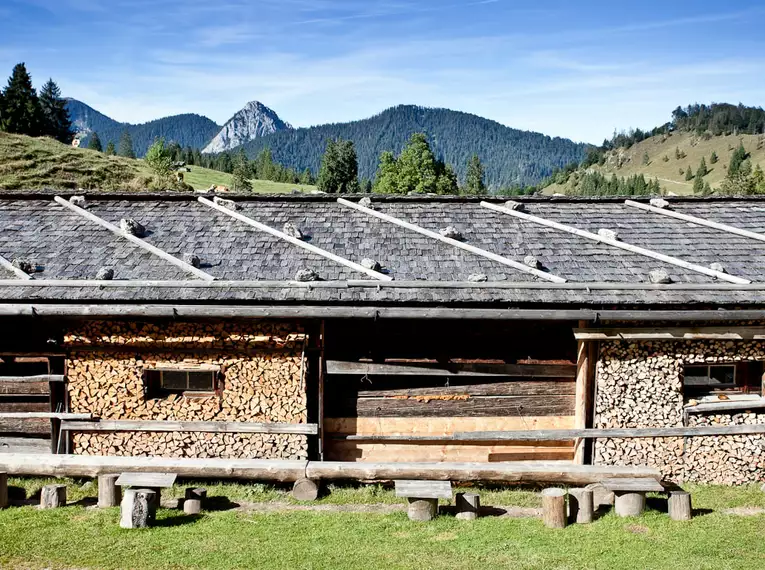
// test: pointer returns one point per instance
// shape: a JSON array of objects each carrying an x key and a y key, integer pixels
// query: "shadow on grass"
[
  {"x": 176, "y": 520},
  {"x": 216, "y": 503}
]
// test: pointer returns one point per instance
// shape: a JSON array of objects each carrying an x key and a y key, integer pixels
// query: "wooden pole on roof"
[
  {"x": 295, "y": 241},
  {"x": 619, "y": 244},
  {"x": 135, "y": 240},
  {"x": 456, "y": 243}
]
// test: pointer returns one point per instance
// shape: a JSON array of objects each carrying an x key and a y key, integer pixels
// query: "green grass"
[
  {"x": 78, "y": 537},
  {"x": 202, "y": 178}
]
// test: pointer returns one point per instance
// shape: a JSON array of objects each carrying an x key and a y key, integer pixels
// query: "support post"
[
  {"x": 192, "y": 503},
  {"x": 138, "y": 508},
  {"x": 680, "y": 506},
  {"x": 468, "y": 505},
  {"x": 580, "y": 506},
  {"x": 629, "y": 503},
  {"x": 3, "y": 489},
  {"x": 109, "y": 494},
  {"x": 305, "y": 490},
  {"x": 53, "y": 496},
  {"x": 554, "y": 507},
  {"x": 422, "y": 510},
  {"x": 583, "y": 390}
]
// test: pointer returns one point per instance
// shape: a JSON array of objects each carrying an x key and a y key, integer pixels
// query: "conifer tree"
[
  {"x": 159, "y": 158},
  {"x": 739, "y": 156},
  {"x": 126, "y": 146},
  {"x": 474, "y": 180},
  {"x": 55, "y": 113},
  {"x": 688, "y": 173},
  {"x": 698, "y": 183},
  {"x": 713, "y": 159},
  {"x": 110, "y": 150},
  {"x": 702, "y": 170},
  {"x": 386, "y": 179},
  {"x": 242, "y": 172},
  {"x": 21, "y": 107},
  {"x": 94, "y": 142},
  {"x": 339, "y": 172},
  {"x": 306, "y": 177}
]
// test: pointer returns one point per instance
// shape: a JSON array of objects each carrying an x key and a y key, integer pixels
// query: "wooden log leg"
[
  {"x": 600, "y": 495},
  {"x": 629, "y": 503},
  {"x": 138, "y": 508},
  {"x": 554, "y": 508},
  {"x": 109, "y": 494},
  {"x": 422, "y": 509},
  {"x": 580, "y": 506},
  {"x": 192, "y": 504},
  {"x": 680, "y": 506},
  {"x": 3, "y": 489},
  {"x": 468, "y": 505},
  {"x": 53, "y": 496},
  {"x": 305, "y": 490}
]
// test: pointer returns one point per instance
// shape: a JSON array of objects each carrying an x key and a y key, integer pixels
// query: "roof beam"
[
  {"x": 696, "y": 220},
  {"x": 619, "y": 244},
  {"x": 300, "y": 243},
  {"x": 13, "y": 269},
  {"x": 135, "y": 240},
  {"x": 467, "y": 247}
]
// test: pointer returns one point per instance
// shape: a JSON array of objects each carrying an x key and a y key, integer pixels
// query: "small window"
[{"x": 162, "y": 382}]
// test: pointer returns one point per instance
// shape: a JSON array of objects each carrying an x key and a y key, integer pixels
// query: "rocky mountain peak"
[{"x": 252, "y": 121}]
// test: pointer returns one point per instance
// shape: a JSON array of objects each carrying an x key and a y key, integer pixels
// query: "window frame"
[
  {"x": 748, "y": 379},
  {"x": 154, "y": 388}
]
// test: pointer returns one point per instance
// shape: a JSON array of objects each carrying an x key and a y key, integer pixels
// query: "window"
[
  {"x": 715, "y": 379},
  {"x": 161, "y": 382}
]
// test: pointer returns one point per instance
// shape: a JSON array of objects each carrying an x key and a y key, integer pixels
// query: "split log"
[
  {"x": 422, "y": 510},
  {"x": 580, "y": 505},
  {"x": 3, "y": 489},
  {"x": 138, "y": 508},
  {"x": 680, "y": 506},
  {"x": 554, "y": 508},
  {"x": 53, "y": 496},
  {"x": 468, "y": 505},
  {"x": 629, "y": 503},
  {"x": 109, "y": 494},
  {"x": 305, "y": 490}
]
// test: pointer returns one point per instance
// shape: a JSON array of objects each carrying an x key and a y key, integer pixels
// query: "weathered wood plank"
[
  {"x": 23, "y": 387},
  {"x": 44, "y": 415},
  {"x": 424, "y": 489},
  {"x": 455, "y": 369},
  {"x": 473, "y": 406},
  {"x": 24, "y": 406},
  {"x": 25, "y": 425},
  {"x": 639, "y": 484},
  {"x": 671, "y": 333},
  {"x": 540, "y": 435},
  {"x": 148, "y": 480},
  {"x": 442, "y": 426},
  {"x": 36, "y": 378},
  {"x": 195, "y": 426},
  {"x": 25, "y": 445},
  {"x": 461, "y": 386},
  {"x": 724, "y": 406}
]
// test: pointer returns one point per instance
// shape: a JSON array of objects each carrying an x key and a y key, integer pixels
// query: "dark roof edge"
[{"x": 249, "y": 197}]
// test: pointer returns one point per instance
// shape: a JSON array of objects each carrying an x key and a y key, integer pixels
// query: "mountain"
[
  {"x": 187, "y": 130},
  {"x": 509, "y": 156},
  {"x": 253, "y": 121}
]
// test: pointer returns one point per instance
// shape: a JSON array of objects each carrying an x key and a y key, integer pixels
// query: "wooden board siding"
[{"x": 20, "y": 393}]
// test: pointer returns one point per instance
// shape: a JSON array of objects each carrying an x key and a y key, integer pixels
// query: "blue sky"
[{"x": 573, "y": 69}]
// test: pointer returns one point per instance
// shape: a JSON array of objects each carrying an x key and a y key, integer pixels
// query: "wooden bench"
[
  {"x": 423, "y": 497},
  {"x": 152, "y": 481},
  {"x": 629, "y": 494}
]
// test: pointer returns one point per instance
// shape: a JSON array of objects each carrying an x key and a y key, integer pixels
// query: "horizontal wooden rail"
[
  {"x": 672, "y": 333},
  {"x": 455, "y": 369},
  {"x": 43, "y": 415},
  {"x": 724, "y": 406},
  {"x": 193, "y": 426},
  {"x": 37, "y": 378}
]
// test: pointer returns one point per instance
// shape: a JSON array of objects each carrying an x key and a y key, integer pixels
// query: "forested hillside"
[
  {"x": 510, "y": 157},
  {"x": 190, "y": 130}
]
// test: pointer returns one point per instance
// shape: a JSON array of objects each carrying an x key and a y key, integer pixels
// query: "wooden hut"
[{"x": 430, "y": 329}]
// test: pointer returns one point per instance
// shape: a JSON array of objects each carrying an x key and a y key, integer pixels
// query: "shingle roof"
[{"x": 67, "y": 246}]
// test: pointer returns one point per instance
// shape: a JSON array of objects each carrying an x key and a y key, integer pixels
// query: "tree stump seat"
[{"x": 423, "y": 497}]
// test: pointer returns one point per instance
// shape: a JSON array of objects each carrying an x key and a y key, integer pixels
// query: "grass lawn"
[
  {"x": 80, "y": 537},
  {"x": 201, "y": 179}
]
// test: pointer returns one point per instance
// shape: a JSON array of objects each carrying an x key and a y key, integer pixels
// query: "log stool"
[
  {"x": 629, "y": 494},
  {"x": 423, "y": 497},
  {"x": 53, "y": 496},
  {"x": 138, "y": 508},
  {"x": 192, "y": 504},
  {"x": 679, "y": 505},
  {"x": 554, "y": 508},
  {"x": 305, "y": 490},
  {"x": 3, "y": 489},
  {"x": 468, "y": 505},
  {"x": 109, "y": 494},
  {"x": 581, "y": 508}
]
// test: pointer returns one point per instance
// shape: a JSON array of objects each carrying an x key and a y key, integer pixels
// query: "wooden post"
[
  {"x": 554, "y": 507},
  {"x": 422, "y": 510},
  {"x": 3, "y": 489},
  {"x": 583, "y": 389},
  {"x": 109, "y": 494},
  {"x": 53, "y": 496},
  {"x": 680, "y": 506},
  {"x": 580, "y": 505},
  {"x": 468, "y": 505},
  {"x": 192, "y": 504},
  {"x": 629, "y": 503},
  {"x": 305, "y": 490},
  {"x": 600, "y": 495},
  {"x": 138, "y": 508}
]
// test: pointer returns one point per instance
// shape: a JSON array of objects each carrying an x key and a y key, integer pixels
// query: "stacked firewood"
[
  {"x": 261, "y": 372},
  {"x": 639, "y": 385}
]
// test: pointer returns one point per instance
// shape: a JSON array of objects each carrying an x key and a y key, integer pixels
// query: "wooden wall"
[{"x": 436, "y": 379}]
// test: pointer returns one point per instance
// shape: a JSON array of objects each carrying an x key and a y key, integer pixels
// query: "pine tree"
[
  {"x": 646, "y": 159},
  {"x": 21, "y": 107},
  {"x": 242, "y": 172},
  {"x": 698, "y": 183},
  {"x": 339, "y": 172},
  {"x": 110, "y": 150},
  {"x": 702, "y": 170},
  {"x": 713, "y": 159},
  {"x": 94, "y": 142},
  {"x": 474, "y": 179},
  {"x": 707, "y": 189},
  {"x": 739, "y": 156},
  {"x": 55, "y": 113},
  {"x": 417, "y": 167},
  {"x": 159, "y": 158},
  {"x": 688, "y": 173},
  {"x": 126, "y": 146},
  {"x": 386, "y": 179}
]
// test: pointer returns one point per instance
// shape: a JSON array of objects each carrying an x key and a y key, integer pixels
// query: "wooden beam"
[
  {"x": 671, "y": 333},
  {"x": 36, "y": 378},
  {"x": 724, "y": 406},
  {"x": 456, "y": 369},
  {"x": 24, "y": 445},
  {"x": 696, "y": 220},
  {"x": 39, "y": 426},
  {"x": 13, "y": 269},
  {"x": 627, "y": 433},
  {"x": 195, "y": 426},
  {"x": 43, "y": 415},
  {"x": 618, "y": 244},
  {"x": 583, "y": 389},
  {"x": 187, "y": 267},
  {"x": 456, "y": 243},
  {"x": 295, "y": 241}
]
